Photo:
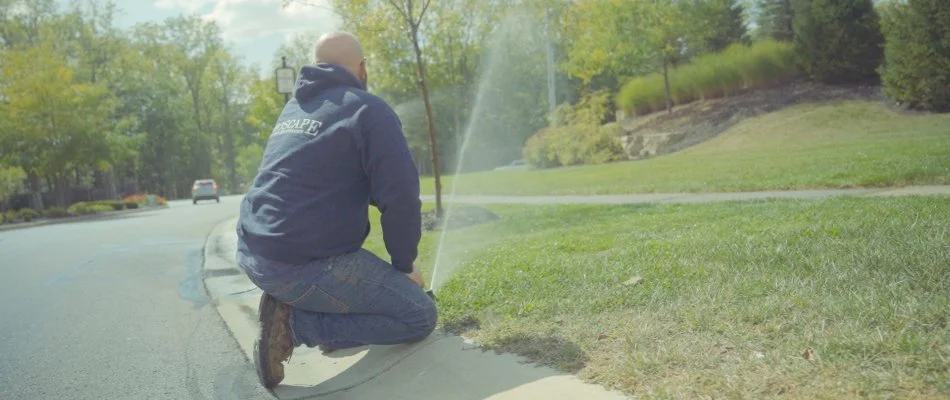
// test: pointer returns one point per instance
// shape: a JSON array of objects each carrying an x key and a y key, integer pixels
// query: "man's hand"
[{"x": 416, "y": 276}]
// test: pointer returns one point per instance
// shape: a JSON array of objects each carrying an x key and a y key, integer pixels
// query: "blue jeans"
[{"x": 350, "y": 300}]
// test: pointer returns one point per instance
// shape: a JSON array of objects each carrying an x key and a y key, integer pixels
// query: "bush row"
[
  {"x": 76, "y": 209},
  {"x": 712, "y": 76}
]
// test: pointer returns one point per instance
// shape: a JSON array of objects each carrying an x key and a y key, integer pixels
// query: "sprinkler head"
[{"x": 431, "y": 294}]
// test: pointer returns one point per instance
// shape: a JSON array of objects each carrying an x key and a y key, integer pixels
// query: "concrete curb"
[
  {"x": 82, "y": 218},
  {"x": 444, "y": 363}
]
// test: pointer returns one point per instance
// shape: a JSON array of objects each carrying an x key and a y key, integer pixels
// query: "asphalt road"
[{"x": 116, "y": 309}]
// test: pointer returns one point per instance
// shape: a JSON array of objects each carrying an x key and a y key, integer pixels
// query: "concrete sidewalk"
[
  {"x": 441, "y": 367},
  {"x": 936, "y": 190}
]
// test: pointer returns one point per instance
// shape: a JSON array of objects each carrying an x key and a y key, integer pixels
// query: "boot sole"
[{"x": 267, "y": 308}]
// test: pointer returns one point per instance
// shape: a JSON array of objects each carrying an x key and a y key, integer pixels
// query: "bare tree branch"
[
  {"x": 425, "y": 7},
  {"x": 397, "y": 5},
  {"x": 307, "y": 3}
]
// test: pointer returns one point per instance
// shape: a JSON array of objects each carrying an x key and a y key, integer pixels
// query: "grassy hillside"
[{"x": 849, "y": 144}]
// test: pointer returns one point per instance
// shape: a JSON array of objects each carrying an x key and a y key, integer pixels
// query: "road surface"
[{"x": 115, "y": 308}]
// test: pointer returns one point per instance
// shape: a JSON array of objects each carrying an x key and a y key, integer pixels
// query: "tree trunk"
[
  {"x": 230, "y": 156},
  {"x": 36, "y": 191},
  {"x": 666, "y": 86},
  {"x": 110, "y": 184},
  {"x": 61, "y": 185},
  {"x": 420, "y": 69}
]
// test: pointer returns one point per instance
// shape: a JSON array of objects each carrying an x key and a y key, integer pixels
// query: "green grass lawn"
[
  {"x": 852, "y": 144},
  {"x": 837, "y": 298}
]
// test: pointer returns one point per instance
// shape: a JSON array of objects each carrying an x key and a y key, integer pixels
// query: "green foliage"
[
  {"x": 162, "y": 103},
  {"x": 726, "y": 25},
  {"x": 775, "y": 20},
  {"x": 838, "y": 40},
  {"x": 577, "y": 136},
  {"x": 574, "y": 145},
  {"x": 10, "y": 217},
  {"x": 917, "y": 53},
  {"x": 55, "y": 212},
  {"x": 84, "y": 208},
  {"x": 27, "y": 214},
  {"x": 712, "y": 76},
  {"x": 622, "y": 39},
  {"x": 131, "y": 205},
  {"x": 114, "y": 205},
  {"x": 11, "y": 181}
]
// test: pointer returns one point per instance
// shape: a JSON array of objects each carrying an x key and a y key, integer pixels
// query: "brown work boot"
[{"x": 274, "y": 344}]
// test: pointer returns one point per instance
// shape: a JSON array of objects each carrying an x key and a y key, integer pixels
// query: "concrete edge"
[
  {"x": 211, "y": 263},
  {"x": 223, "y": 281},
  {"x": 81, "y": 218}
]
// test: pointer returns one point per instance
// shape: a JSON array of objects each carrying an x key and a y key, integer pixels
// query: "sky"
[{"x": 254, "y": 29}]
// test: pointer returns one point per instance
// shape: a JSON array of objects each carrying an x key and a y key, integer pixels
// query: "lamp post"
[{"x": 285, "y": 78}]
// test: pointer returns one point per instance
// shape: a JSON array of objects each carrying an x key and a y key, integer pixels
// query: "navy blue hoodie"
[{"x": 334, "y": 150}]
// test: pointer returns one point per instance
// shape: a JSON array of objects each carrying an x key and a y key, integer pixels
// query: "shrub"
[
  {"x": 28, "y": 214},
  {"x": 55, "y": 212},
  {"x": 142, "y": 199},
  {"x": 576, "y": 135},
  {"x": 574, "y": 145},
  {"x": 135, "y": 198},
  {"x": 712, "y": 76},
  {"x": 838, "y": 41},
  {"x": 916, "y": 70},
  {"x": 83, "y": 208},
  {"x": 131, "y": 205},
  {"x": 10, "y": 217},
  {"x": 114, "y": 205}
]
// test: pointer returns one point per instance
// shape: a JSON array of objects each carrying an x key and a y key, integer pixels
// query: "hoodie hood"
[{"x": 315, "y": 79}]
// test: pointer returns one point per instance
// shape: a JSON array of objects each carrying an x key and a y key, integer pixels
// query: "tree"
[
  {"x": 196, "y": 42},
  {"x": 838, "y": 40},
  {"x": 726, "y": 24},
  {"x": 627, "y": 39},
  {"x": 412, "y": 13},
  {"x": 228, "y": 82},
  {"x": 11, "y": 180},
  {"x": 775, "y": 20},
  {"x": 916, "y": 70},
  {"x": 59, "y": 121}
]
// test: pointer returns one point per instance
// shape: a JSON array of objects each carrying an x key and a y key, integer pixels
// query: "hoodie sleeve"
[{"x": 394, "y": 183}]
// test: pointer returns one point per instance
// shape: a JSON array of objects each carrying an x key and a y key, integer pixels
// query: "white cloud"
[
  {"x": 189, "y": 5},
  {"x": 252, "y": 19}
]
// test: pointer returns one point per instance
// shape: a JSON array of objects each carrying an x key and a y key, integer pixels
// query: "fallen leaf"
[
  {"x": 636, "y": 280},
  {"x": 808, "y": 355},
  {"x": 935, "y": 345},
  {"x": 602, "y": 336},
  {"x": 559, "y": 321}
]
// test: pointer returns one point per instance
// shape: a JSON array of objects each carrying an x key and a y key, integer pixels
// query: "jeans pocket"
[{"x": 317, "y": 300}]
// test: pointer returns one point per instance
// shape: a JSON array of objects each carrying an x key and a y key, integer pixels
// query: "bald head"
[{"x": 343, "y": 49}]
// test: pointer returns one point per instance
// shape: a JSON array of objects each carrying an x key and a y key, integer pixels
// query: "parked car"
[
  {"x": 516, "y": 164},
  {"x": 204, "y": 189}
]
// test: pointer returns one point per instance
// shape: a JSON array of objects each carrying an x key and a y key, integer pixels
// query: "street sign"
[{"x": 285, "y": 80}]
